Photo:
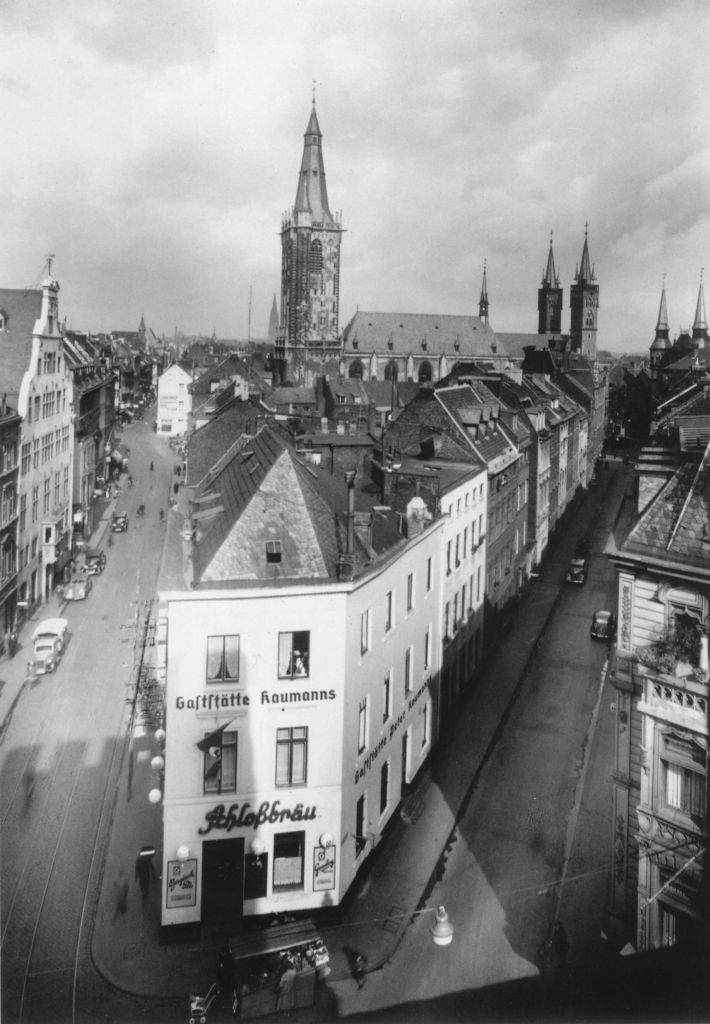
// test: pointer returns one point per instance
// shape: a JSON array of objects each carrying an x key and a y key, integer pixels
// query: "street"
[
  {"x": 533, "y": 840},
  {"x": 61, "y": 752}
]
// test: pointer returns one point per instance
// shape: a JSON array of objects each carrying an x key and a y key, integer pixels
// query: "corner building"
[{"x": 301, "y": 653}]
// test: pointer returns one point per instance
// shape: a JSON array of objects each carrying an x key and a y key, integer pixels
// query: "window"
[
  {"x": 410, "y": 591},
  {"x": 384, "y": 786},
  {"x": 362, "y": 726},
  {"x": 427, "y": 647},
  {"x": 365, "y": 632},
  {"x": 47, "y": 495},
  {"x": 294, "y": 654},
  {"x": 408, "y": 670},
  {"x": 291, "y": 756},
  {"x": 288, "y": 860},
  {"x": 387, "y": 695},
  {"x": 446, "y": 619},
  {"x": 360, "y": 837},
  {"x": 426, "y": 724},
  {"x": 273, "y": 551},
  {"x": 223, "y": 659},
  {"x": 448, "y": 558},
  {"x": 388, "y": 611},
  {"x": 478, "y": 585},
  {"x": 458, "y": 540},
  {"x": 428, "y": 574},
  {"x": 456, "y": 611},
  {"x": 23, "y": 512},
  {"x": 684, "y": 789},
  {"x": 26, "y": 452},
  {"x": 464, "y": 545},
  {"x": 35, "y": 452},
  {"x": 220, "y": 765}
]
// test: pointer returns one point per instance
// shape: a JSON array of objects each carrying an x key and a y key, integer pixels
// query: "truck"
[{"x": 48, "y": 641}]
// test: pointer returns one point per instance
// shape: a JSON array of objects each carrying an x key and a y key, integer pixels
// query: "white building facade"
[
  {"x": 174, "y": 402},
  {"x": 296, "y": 716}
]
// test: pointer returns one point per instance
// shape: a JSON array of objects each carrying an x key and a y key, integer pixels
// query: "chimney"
[
  {"x": 346, "y": 564},
  {"x": 417, "y": 516}
]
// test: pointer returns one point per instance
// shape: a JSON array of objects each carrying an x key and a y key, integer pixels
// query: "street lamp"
[{"x": 442, "y": 931}]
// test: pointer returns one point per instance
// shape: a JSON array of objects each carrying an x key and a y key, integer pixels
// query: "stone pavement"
[{"x": 126, "y": 945}]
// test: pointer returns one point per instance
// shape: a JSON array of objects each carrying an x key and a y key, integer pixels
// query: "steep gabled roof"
[{"x": 676, "y": 525}]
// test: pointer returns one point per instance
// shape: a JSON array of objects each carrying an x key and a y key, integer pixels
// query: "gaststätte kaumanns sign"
[
  {"x": 236, "y": 699},
  {"x": 240, "y": 816}
]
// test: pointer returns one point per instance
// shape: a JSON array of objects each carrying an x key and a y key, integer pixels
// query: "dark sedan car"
[
  {"x": 95, "y": 561},
  {"x": 119, "y": 522},
  {"x": 603, "y": 625},
  {"x": 577, "y": 571}
]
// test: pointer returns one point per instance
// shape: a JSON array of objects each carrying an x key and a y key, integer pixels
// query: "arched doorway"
[
  {"x": 356, "y": 369},
  {"x": 391, "y": 370},
  {"x": 425, "y": 371}
]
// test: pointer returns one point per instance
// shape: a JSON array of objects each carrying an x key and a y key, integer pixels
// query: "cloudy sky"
[{"x": 152, "y": 146}]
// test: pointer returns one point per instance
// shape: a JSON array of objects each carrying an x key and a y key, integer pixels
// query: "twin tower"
[{"x": 310, "y": 274}]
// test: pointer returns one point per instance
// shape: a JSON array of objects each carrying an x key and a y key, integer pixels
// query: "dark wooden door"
[{"x": 222, "y": 880}]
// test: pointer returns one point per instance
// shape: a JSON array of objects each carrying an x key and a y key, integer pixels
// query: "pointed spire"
[
  {"x": 483, "y": 303},
  {"x": 700, "y": 324},
  {"x": 662, "y": 324},
  {"x": 312, "y": 195},
  {"x": 550, "y": 278},
  {"x": 585, "y": 271}
]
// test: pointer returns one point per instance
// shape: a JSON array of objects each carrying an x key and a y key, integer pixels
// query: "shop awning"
[{"x": 273, "y": 940}]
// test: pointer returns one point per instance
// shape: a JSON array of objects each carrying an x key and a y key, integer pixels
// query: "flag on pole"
[{"x": 212, "y": 740}]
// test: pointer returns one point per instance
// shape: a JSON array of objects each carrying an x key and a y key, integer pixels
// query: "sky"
[{"x": 152, "y": 146}]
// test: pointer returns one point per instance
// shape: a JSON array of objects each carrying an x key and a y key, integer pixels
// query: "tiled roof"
[
  {"x": 422, "y": 334},
  {"x": 232, "y": 366},
  {"x": 676, "y": 526},
  {"x": 21, "y": 309}
]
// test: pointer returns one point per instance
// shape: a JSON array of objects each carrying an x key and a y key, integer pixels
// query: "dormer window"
[
  {"x": 424, "y": 344},
  {"x": 273, "y": 551},
  {"x": 3, "y": 320}
]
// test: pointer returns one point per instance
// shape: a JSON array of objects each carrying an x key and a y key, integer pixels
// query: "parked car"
[
  {"x": 603, "y": 625},
  {"x": 48, "y": 642},
  {"x": 577, "y": 571},
  {"x": 119, "y": 522},
  {"x": 95, "y": 561},
  {"x": 78, "y": 588}
]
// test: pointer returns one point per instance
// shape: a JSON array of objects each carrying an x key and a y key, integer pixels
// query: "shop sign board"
[{"x": 181, "y": 890}]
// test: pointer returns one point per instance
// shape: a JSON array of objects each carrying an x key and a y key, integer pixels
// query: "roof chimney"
[
  {"x": 346, "y": 565},
  {"x": 417, "y": 516}
]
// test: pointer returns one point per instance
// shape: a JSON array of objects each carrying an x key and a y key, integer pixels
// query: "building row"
[{"x": 323, "y": 609}]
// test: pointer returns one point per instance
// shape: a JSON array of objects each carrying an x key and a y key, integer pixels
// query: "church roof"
[{"x": 428, "y": 335}]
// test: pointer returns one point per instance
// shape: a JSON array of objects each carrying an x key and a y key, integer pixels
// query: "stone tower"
[
  {"x": 584, "y": 303},
  {"x": 310, "y": 267},
  {"x": 549, "y": 299}
]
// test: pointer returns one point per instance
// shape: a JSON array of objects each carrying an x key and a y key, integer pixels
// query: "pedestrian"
[
  {"x": 130, "y": 480},
  {"x": 225, "y": 970},
  {"x": 121, "y": 889},
  {"x": 145, "y": 873},
  {"x": 360, "y": 969},
  {"x": 151, "y": 467},
  {"x": 559, "y": 944},
  {"x": 285, "y": 1001}
]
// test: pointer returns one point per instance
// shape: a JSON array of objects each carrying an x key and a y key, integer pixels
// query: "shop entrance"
[{"x": 222, "y": 880}]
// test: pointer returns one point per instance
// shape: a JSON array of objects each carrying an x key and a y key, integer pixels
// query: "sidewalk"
[{"x": 125, "y": 944}]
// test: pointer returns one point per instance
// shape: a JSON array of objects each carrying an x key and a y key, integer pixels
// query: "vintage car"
[
  {"x": 48, "y": 642},
  {"x": 94, "y": 561},
  {"x": 78, "y": 587},
  {"x": 577, "y": 571},
  {"x": 119, "y": 522},
  {"x": 603, "y": 625}
]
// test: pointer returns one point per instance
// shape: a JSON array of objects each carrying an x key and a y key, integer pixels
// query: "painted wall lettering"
[
  {"x": 239, "y": 816},
  {"x": 212, "y": 701}
]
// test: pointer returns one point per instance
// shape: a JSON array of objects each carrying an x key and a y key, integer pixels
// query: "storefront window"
[{"x": 288, "y": 860}]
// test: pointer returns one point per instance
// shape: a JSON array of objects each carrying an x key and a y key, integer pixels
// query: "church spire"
[
  {"x": 700, "y": 324},
  {"x": 550, "y": 278},
  {"x": 312, "y": 195},
  {"x": 483, "y": 302},
  {"x": 586, "y": 273}
]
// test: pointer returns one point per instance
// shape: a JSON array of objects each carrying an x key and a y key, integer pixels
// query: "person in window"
[{"x": 299, "y": 665}]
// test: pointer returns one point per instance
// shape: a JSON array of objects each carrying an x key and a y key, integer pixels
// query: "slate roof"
[
  {"x": 676, "y": 525},
  {"x": 209, "y": 443},
  {"x": 21, "y": 309},
  {"x": 232, "y": 366},
  {"x": 264, "y": 491},
  {"x": 372, "y": 332}
]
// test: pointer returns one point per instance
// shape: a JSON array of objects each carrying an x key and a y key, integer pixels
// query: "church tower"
[
  {"x": 310, "y": 265},
  {"x": 661, "y": 346},
  {"x": 584, "y": 303},
  {"x": 483, "y": 303},
  {"x": 549, "y": 299}
]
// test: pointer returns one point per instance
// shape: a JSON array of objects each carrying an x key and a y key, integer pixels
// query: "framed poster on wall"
[{"x": 181, "y": 889}]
